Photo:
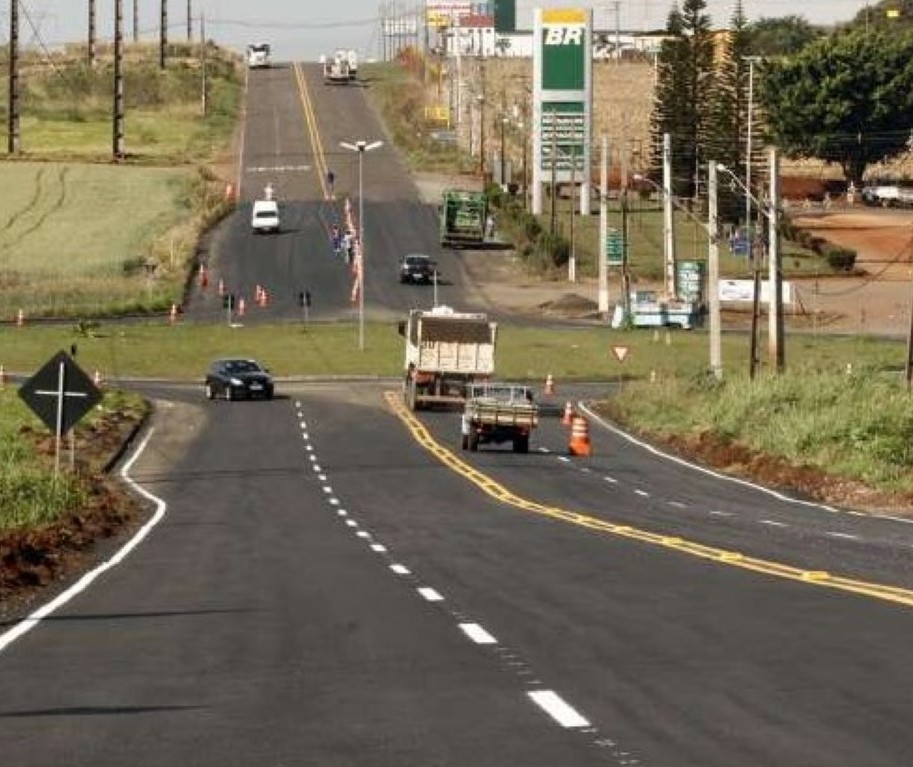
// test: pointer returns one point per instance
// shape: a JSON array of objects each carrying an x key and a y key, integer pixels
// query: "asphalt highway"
[
  {"x": 327, "y": 579},
  {"x": 294, "y": 125}
]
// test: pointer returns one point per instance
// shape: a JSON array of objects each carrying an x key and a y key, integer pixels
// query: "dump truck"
[
  {"x": 462, "y": 218},
  {"x": 446, "y": 352},
  {"x": 498, "y": 412}
]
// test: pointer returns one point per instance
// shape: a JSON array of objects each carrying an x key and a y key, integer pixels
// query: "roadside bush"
[{"x": 840, "y": 259}]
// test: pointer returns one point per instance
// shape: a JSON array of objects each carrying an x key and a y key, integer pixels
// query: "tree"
[
  {"x": 682, "y": 103},
  {"x": 784, "y": 36},
  {"x": 728, "y": 143},
  {"x": 844, "y": 99}
]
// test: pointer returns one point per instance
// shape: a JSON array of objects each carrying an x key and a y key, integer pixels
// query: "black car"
[
  {"x": 417, "y": 268},
  {"x": 238, "y": 379}
]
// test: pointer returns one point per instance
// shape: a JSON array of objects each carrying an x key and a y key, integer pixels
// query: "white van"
[
  {"x": 258, "y": 55},
  {"x": 265, "y": 216}
]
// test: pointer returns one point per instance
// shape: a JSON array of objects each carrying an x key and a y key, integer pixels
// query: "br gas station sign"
[{"x": 562, "y": 99}]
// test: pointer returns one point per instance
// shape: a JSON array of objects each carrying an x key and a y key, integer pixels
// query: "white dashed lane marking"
[
  {"x": 557, "y": 709},
  {"x": 400, "y": 569},
  {"x": 772, "y": 523},
  {"x": 477, "y": 634},
  {"x": 845, "y": 536},
  {"x": 430, "y": 594}
]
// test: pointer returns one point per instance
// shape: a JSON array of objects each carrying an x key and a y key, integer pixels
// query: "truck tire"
[
  {"x": 473, "y": 441},
  {"x": 521, "y": 444}
]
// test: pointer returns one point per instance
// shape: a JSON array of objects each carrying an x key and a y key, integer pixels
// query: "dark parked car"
[
  {"x": 417, "y": 268},
  {"x": 238, "y": 379}
]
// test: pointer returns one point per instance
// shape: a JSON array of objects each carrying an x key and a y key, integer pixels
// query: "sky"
[{"x": 305, "y": 29}]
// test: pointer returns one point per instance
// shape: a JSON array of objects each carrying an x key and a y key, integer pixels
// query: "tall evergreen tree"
[
  {"x": 728, "y": 142},
  {"x": 668, "y": 112},
  {"x": 683, "y": 94}
]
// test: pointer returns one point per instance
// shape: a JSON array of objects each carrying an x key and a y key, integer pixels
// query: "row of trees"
[{"x": 842, "y": 97}]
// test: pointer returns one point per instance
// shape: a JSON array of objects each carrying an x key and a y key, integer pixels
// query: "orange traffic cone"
[
  {"x": 549, "y": 385},
  {"x": 20, "y": 318},
  {"x": 568, "y": 414},
  {"x": 173, "y": 314},
  {"x": 580, "y": 436}
]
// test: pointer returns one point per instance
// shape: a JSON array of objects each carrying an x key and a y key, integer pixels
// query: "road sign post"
[{"x": 60, "y": 394}]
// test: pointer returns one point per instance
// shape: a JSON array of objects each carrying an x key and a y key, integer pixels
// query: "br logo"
[{"x": 564, "y": 36}]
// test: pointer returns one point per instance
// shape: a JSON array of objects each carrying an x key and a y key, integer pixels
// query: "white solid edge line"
[
  {"x": 32, "y": 620},
  {"x": 557, "y": 709},
  {"x": 477, "y": 634},
  {"x": 703, "y": 470}
]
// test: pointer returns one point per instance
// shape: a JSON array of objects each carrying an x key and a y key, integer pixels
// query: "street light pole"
[
  {"x": 748, "y": 148},
  {"x": 503, "y": 167},
  {"x": 775, "y": 295},
  {"x": 361, "y": 147},
  {"x": 711, "y": 227}
]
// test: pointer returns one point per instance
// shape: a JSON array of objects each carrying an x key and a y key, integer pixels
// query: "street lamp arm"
[
  {"x": 678, "y": 206},
  {"x": 764, "y": 208}
]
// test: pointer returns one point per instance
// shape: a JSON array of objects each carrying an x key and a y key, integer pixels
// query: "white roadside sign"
[{"x": 735, "y": 291}]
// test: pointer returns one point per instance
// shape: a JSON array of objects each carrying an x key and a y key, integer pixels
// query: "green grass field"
[
  {"x": 181, "y": 352},
  {"x": 73, "y": 237}
]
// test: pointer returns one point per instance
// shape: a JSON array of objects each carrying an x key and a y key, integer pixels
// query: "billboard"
[
  {"x": 562, "y": 99},
  {"x": 446, "y": 13}
]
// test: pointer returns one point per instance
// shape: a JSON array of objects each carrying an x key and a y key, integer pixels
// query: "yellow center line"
[
  {"x": 894, "y": 594},
  {"x": 310, "y": 121}
]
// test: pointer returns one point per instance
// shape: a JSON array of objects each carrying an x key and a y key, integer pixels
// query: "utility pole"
[
  {"x": 163, "y": 33},
  {"x": 482, "y": 119},
  {"x": 13, "y": 127},
  {"x": 748, "y": 150},
  {"x": 603, "y": 294},
  {"x": 753, "y": 362},
  {"x": 118, "y": 127},
  {"x": 554, "y": 186},
  {"x": 189, "y": 20},
  {"x": 713, "y": 273},
  {"x": 668, "y": 231},
  {"x": 135, "y": 21},
  {"x": 908, "y": 368},
  {"x": 617, "y": 5},
  {"x": 203, "y": 99},
  {"x": 625, "y": 275},
  {"x": 90, "y": 45},
  {"x": 572, "y": 258},
  {"x": 775, "y": 349}
]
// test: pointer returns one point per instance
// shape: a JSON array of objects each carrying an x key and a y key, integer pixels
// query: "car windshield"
[
  {"x": 242, "y": 366},
  {"x": 265, "y": 214},
  {"x": 417, "y": 261}
]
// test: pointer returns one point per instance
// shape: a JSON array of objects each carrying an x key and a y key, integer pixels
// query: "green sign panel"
[
  {"x": 505, "y": 16},
  {"x": 614, "y": 248}
]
